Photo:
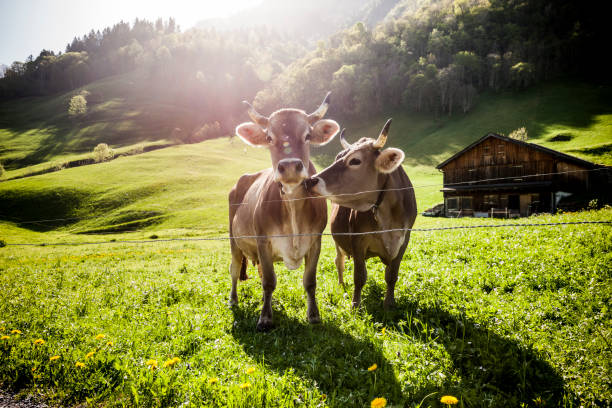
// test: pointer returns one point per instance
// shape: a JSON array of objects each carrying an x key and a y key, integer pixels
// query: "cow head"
[
  {"x": 288, "y": 134},
  {"x": 358, "y": 172}
]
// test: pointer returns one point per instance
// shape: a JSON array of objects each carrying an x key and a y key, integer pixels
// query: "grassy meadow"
[
  {"x": 496, "y": 317},
  {"x": 500, "y": 317}
]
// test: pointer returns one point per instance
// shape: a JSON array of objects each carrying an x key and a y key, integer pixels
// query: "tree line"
[
  {"x": 426, "y": 55},
  {"x": 438, "y": 55}
]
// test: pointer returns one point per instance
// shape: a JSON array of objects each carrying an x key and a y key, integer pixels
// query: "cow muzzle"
[
  {"x": 316, "y": 186},
  {"x": 290, "y": 173}
]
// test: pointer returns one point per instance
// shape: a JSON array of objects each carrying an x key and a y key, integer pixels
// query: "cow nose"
[
  {"x": 311, "y": 182},
  {"x": 290, "y": 166}
]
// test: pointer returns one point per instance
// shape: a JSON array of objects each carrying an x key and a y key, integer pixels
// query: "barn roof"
[{"x": 552, "y": 152}]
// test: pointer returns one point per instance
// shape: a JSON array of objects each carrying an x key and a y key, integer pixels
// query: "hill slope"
[{"x": 574, "y": 118}]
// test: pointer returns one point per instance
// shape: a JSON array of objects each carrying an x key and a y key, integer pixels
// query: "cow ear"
[
  {"x": 324, "y": 131},
  {"x": 252, "y": 134},
  {"x": 389, "y": 159}
]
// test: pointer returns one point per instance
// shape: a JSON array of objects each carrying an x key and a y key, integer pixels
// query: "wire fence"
[
  {"x": 322, "y": 234},
  {"x": 168, "y": 211}
]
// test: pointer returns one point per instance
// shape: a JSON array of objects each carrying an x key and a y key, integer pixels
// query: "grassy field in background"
[
  {"x": 120, "y": 113},
  {"x": 581, "y": 114}
]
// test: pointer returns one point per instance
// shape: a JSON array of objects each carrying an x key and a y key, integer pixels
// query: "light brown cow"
[
  {"x": 274, "y": 202},
  {"x": 370, "y": 192}
]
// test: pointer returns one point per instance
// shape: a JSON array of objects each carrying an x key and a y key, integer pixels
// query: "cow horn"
[
  {"x": 256, "y": 117},
  {"x": 382, "y": 138},
  {"x": 343, "y": 142},
  {"x": 321, "y": 110}
]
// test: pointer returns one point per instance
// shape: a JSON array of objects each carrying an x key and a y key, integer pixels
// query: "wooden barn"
[{"x": 497, "y": 176}]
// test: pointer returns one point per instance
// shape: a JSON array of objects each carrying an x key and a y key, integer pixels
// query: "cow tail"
[{"x": 243, "y": 268}]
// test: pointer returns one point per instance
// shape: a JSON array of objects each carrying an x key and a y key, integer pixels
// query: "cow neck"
[
  {"x": 386, "y": 204},
  {"x": 381, "y": 196},
  {"x": 294, "y": 203}
]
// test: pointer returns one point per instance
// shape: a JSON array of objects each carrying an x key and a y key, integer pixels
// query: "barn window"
[
  {"x": 486, "y": 150},
  {"x": 466, "y": 203},
  {"x": 491, "y": 200},
  {"x": 503, "y": 201},
  {"x": 451, "y": 203},
  {"x": 501, "y": 149}
]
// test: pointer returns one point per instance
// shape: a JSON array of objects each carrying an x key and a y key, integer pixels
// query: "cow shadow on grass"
[
  {"x": 335, "y": 362},
  {"x": 493, "y": 370}
]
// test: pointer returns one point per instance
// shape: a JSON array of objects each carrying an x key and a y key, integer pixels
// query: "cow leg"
[
  {"x": 360, "y": 275},
  {"x": 235, "y": 267},
  {"x": 309, "y": 280},
  {"x": 268, "y": 284},
  {"x": 340, "y": 258},
  {"x": 391, "y": 274}
]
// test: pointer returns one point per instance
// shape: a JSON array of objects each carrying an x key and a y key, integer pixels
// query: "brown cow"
[
  {"x": 273, "y": 203},
  {"x": 370, "y": 192}
]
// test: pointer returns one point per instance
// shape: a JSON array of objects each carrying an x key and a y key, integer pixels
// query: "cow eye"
[
  {"x": 268, "y": 138},
  {"x": 354, "y": 162}
]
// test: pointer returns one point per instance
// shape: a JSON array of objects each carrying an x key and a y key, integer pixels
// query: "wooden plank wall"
[{"x": 495, "y": 158}]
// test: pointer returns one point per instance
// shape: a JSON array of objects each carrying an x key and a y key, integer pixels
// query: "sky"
[{"x": 28, "y": 26}]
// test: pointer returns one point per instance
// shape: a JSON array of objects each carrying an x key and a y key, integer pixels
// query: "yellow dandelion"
[
  {"x": 109, "y": 343},
  {"x": 152, "y": 364},
  {"x": 213, "y": 380},
  {"x": 449, "y": 400},
  {"x": 379, "y": 403},
  {"x": 323, "y": 397},
  {"x": 79, "y": 365},
  {"x": 33, "y": 369},
  {"x": 5, "y": 337},
  {"x": 53, "y": 358},
  {"x": 90, "y": 354},
  {"x": 373, "y": 367},
  {"x": 245, "y": 385},
  {"x": 15, "y": 331},
  {"x": 100, "y": 336},
  {"x": 382, "y": 331},
  {"x": 171, "y": 362},
  {"x": 250, "y": 370},
  {"x": 39, "y": 342}
]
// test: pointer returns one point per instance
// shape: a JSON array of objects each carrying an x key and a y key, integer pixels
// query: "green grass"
[
  {"x": 495, "y": 317},
  {"x": 120, "y": 113},
  {"x": 175, "y": 189}
]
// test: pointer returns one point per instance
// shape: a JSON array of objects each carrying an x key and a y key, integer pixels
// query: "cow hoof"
[
  {"x": 389, "y": 304},
  {"x": 232, "y": 302},
  {"x": 264, "y": 324},
  {"x": 314, "y": 319},
  {"x": 264, "y": 327},
  {"x": 355, "y": 305}
]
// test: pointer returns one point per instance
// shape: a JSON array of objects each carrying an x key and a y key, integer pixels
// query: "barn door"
[{"x": 525, "y": 201}]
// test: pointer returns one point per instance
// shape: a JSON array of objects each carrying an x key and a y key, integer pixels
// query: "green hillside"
[
  {"x": 179, "y": 188},
  {"x": 120, "y": 113},
  {"x": 574, "y": 118},
  {"x": 161, "y": 189}
]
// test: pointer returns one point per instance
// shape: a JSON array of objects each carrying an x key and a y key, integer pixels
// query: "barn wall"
[{"x": 511, "y": 163}]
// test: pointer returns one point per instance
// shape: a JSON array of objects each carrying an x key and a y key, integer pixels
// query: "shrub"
[
  {"x": 519, "y": 134},
  {"x": 77, "y": 106},
  {"x": 208, "y": 131},
  {"x": 103, "y": 153}
]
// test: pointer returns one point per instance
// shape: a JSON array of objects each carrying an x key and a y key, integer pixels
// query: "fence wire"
[
  {"x": 169, "y": 210},
  {"x": 322, "y": 234}
]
